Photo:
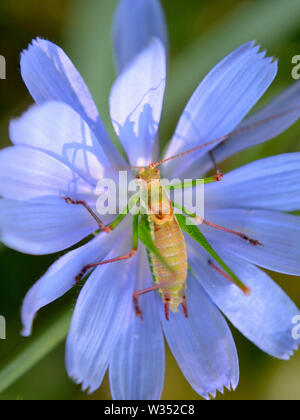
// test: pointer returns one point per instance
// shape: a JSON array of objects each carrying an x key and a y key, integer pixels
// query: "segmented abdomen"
[{"x": 169, "y": 240}]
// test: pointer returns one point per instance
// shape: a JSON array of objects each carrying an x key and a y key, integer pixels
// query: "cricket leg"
[
  {"x": 88, "y": 267},
  {"x": 102, "y": 226},
  {"x": 245, "y": 289},
  {"x": 167, "y": 300},
  {"x": 233, "y": 232},
  {"x": 137, "y": 295},
  {"x": 125, "y": 257},
  {"x": 246, "y": 238},
  {"x": 188, "y": 184}
]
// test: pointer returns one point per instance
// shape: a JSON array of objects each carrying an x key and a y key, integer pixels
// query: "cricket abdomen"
[{"x": 169, "y": 241}]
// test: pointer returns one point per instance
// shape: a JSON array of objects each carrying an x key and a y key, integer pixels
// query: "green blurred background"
[{"x": 201, "y": 32}]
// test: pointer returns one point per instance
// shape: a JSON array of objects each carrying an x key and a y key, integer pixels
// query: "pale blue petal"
[
  {"x": 137, "y": 365},
  {"x": 136, "y": 103},
  {"x": 136, "y": 22},
  {"x": 50, "y": 75},
  {"x": 278, "y": 233},
  {"x": 221, "y": 102},
  {"x": 202, "y": 344},
  {"x": 26, "y": 173},
  {"x": 101, "y": 314},
  {"x": 60, "y": 277},
  {"x": 58, "y": 130},
  {"x": 43, "y": 226},
  {"x": 265, "y": 317},
  {"x": 278, "y": 115},
  {"x": 272, "y": 184}
]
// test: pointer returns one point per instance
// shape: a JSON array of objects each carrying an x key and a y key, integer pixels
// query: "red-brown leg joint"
[
  {"x": 69, "y": 200},
  {"x": 107, "y": 229},
  {"x": 219, "y": 176},
  {"x": 138, "y": 310},
  {"x": 133, "y": 253}
]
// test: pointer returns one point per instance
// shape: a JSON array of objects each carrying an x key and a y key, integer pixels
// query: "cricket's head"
[{"x": 148, "y": 174}]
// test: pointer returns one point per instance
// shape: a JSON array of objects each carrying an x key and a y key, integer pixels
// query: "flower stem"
[{"x": 36, "y": 349}]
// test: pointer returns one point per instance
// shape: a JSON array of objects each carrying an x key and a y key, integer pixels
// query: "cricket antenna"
[
  {"x": 127, "y": 168},
  {"x": 224, "y": 138},
  {"x": 195, "y": 149}
]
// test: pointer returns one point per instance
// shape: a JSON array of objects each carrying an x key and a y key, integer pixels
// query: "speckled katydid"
[{"x": 161, "y": 231}]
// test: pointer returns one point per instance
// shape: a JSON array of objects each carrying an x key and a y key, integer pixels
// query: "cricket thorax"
[{"x": 156, "y": 197}]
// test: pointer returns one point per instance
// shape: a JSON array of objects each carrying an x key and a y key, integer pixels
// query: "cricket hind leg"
[{"x": 245, "y": 289}]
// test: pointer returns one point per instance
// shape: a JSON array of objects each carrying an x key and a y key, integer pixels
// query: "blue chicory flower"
[
  {"x": 61, "y": 149},
  {"x": 135, "y": 23}
]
